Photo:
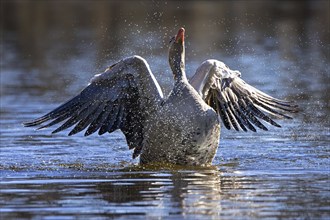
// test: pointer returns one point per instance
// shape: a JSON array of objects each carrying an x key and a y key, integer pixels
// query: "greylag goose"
[{"x": 183, "y": 128}]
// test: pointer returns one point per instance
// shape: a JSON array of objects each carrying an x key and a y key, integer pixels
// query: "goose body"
[{"x": 183, "y": 128}]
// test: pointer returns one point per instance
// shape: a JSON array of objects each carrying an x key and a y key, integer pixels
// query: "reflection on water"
[
  {"x": 137, "y": 193},
  {"x": 49, "y": 51},
  {"x": 191, "y": 193}
]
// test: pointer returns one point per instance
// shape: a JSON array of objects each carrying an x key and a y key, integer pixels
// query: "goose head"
[{"x": 177, "y": 55}]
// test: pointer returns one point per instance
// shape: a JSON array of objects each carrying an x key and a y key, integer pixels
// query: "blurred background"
[
  {"x": 50, "y": 49},
  {"x": 52, "y": 44}
]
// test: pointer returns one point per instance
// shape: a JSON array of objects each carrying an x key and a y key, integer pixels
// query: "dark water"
[{"x": 49, "y": 51}]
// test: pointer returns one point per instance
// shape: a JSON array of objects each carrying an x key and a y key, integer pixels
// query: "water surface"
[{"x": 49, "y": 51}]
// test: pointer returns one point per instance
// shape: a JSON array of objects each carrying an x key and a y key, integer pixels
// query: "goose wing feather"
[
  {"x": 239, "y": 105},
  {"x": 119, "y": 98}
]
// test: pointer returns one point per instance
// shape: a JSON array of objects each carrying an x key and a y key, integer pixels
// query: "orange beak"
[{"x": 180, "y": 35}]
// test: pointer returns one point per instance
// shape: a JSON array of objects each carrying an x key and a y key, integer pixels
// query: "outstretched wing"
[
  {"x": 239, "y": 105},
  {"x": 119, "y": 98}
]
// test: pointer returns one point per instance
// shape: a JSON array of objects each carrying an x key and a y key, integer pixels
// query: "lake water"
[{"x": 50, "y": 50}]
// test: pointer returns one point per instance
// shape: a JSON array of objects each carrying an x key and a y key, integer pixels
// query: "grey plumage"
[
  {"x": 182, "y": 128},
  {"x": 239, "y": 105}
]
